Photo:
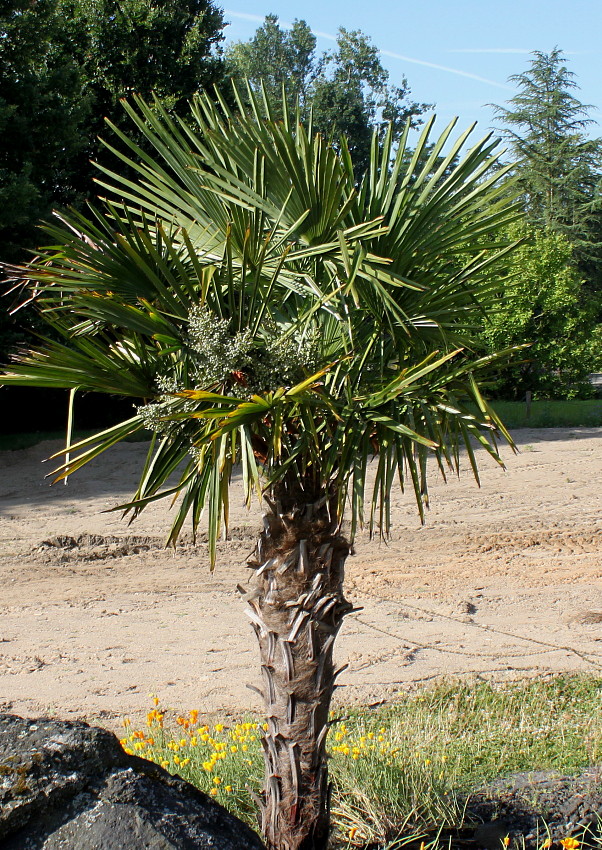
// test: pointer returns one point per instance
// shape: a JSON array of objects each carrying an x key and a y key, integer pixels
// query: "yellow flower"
[
  {"x": 547, "y": 843},
  {"x": 176, "y": 759},
  {"x": 193, "y": 741},
  {"x": 213, "y": 792},
  {"x": 427, "y": 762},
  {"x": 155, "y": 701},
  {"x": 352, "y": 832},
  {"x": 128, "y": 751},
  {"x": 228, "y": 788},
  {"x": 194, "y": 716},
  {"x": 217, "y": 780},
  {"x": 506, "y": 841},
  {"x": 165, "y": 764},
  {"x": 183, "y": 742},
  {"x": 126, "y": 721},
  {"x": 570, "y": 844},
  {"x": 233, "y": 748},
  {"x": 184, "y": 762},
  {"x": 219, "y": 727},
  {"x": 208, "y": 766}
]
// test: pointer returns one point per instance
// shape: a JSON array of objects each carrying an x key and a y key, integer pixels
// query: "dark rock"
[
  {"x": 490, "y": 835},
  {"x": 543, "y": 804},
  {"x": 70, "y": 786}
]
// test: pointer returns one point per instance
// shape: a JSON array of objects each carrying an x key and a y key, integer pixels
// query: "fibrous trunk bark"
[{"x": 296, "y": 608}]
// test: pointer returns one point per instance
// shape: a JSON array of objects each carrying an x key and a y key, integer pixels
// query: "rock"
[
  {"x": 490, "y": 835},
  {"x": 70, "y": 786},
  {"x": 536, "y": 803}
]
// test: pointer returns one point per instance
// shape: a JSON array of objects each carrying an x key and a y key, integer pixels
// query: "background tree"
[
  {"x": 169, "y": 49},
  {"x": 264, "y": 312},
  {"x": 43, "y": 115},
  {"x": 276, "y": 57},
  {"x": 347, "y": 90},
  {"x": 544, "y": 300},
  {"x": 64, "y": 66},
  {"x": 559, "y": 166},
  {"x": 43, "y": 119}
]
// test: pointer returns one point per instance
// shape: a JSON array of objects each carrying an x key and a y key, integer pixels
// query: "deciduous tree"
[
  {"x": 544, "y": 301},
  {"x": 347, "y": 90}
]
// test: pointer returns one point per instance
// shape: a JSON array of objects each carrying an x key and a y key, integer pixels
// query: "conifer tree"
[{"x": 560, "y": 166}]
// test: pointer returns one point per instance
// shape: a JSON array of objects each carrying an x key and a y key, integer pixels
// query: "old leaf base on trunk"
[{"x": 296, "y": 608}]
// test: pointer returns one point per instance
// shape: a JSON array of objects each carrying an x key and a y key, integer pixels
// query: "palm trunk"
[{"x": 296, "y": 608}]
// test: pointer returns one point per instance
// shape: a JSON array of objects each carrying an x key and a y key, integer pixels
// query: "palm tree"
[{"x": 267, "y": 311}]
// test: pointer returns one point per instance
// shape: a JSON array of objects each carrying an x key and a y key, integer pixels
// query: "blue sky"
[{"x": 457, "y": 55}]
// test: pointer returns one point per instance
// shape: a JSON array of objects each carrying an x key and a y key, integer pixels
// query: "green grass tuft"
[{"x": 403, "y": 768}]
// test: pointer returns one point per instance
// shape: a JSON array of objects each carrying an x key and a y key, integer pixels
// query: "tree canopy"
[
  {"x": 43, "y": 118},
  {"x": 544, "y": 301},
  {"x": 347, "y": 90},
  {"x": 64, "y": 66},
  {"x": 559, "y": 166},
  {"x": 266, "y": 306}
]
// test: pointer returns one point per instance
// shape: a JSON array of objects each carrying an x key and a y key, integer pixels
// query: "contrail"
[
  {"x": 259, "y": 19},
  {"x": 490, "y": 50},
  {"x": 446, "y": 69}
]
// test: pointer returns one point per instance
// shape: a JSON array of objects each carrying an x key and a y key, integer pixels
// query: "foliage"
[
  {"x": 560, "y": 168},
  {"x": 268, "y": 308},
  {"x": 169, "y": 50},
  {"x": 544, "y": 301},
  {"x": 276, "y": 241},
  {"x": 347, "y": 90},
  {"x": 401, "y": 767},
  {"x": 64, "y": 65},
  {"x": 43, "y": 113}
]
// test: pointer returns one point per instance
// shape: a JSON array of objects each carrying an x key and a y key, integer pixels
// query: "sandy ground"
[{"x": 503, "y": 582}]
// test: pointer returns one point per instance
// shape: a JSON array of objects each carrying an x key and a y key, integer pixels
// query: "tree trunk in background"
[{"x": 296, "y": 608}]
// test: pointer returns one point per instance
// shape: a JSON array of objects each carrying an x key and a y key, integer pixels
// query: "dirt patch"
[{"x": 504, "y": 582}]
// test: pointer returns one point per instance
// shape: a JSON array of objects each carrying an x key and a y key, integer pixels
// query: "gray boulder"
[{"x": 70, "y": 786}]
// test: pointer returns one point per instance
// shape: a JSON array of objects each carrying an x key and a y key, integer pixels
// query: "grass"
[
  {"x": 543, "y": 414},
  {"x": 403, "y": 768},
  {"x": 16, "y": 442},
  {"x": 551, "y": 414}
]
